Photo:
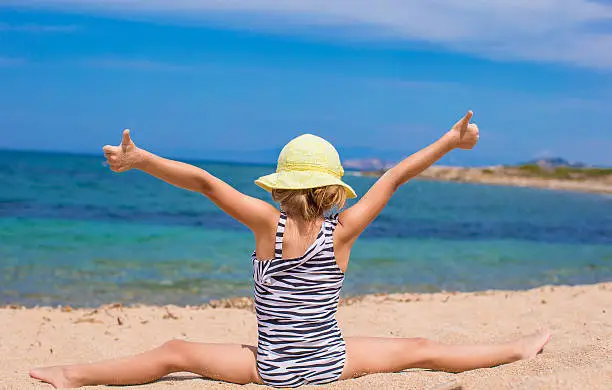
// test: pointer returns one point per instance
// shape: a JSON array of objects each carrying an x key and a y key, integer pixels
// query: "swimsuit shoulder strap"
[
  {"x": 280, "y": 231},
  {"x": 331, "y": 222}
]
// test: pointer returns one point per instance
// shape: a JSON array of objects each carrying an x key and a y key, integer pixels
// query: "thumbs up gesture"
[
  {"x": 464, "y": 134},
  {"x": 123, "y": 157}
]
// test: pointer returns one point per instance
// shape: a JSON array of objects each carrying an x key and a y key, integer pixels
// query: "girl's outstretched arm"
[
  {"x": 252, "y": 212},
  {"x": 355, "y": 219}
]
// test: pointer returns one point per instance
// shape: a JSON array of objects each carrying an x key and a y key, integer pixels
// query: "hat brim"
[{"x": 300, "y": 180}]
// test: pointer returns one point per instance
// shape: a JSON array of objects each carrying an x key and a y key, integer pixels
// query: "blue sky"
[{"x": 237, "y": 79}]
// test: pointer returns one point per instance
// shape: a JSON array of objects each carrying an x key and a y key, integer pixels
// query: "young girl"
[{"x": 299, "y": 264}]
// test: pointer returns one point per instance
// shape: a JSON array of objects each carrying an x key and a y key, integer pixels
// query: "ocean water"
[{"x": 73, "y": 232}]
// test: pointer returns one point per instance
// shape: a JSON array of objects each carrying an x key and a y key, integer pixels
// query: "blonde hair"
[{"x": 310, "y": 203}]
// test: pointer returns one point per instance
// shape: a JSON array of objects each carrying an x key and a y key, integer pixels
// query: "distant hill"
[
  {"x": 554, "y": 162},
  {"x": 378, "y": 164},
  {"x": 367, "y": 164}
]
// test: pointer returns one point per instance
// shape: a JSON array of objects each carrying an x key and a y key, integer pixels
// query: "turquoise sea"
[{"x": 72, "y": 232}]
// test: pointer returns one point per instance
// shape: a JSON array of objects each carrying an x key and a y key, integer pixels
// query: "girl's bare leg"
[
  {"x": 227, "y": 362},
  {"x": 366, "y": 355}
]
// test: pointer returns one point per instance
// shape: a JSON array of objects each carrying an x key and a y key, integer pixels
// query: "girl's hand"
[
  {"x": 464, "y": 135},
  {"x": 125, "y": 156}
]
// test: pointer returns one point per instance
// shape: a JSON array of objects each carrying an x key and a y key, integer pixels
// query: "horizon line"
[
  {"x": 273, "y": 163},
  {"x": 92, "y": 154}
]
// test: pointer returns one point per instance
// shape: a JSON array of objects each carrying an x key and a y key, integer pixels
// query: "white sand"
[{"x": 579, "y": 356}]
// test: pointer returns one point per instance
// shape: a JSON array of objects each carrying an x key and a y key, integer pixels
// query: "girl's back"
[{"x": 295, "y": 302}]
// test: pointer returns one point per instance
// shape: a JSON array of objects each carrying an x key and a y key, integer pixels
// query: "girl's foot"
[
  {"x": 530, "y": 346},
  {"x": 57, "y": 376}
]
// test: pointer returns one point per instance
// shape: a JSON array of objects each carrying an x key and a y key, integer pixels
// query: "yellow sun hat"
[{"x": 305, "y": 162}]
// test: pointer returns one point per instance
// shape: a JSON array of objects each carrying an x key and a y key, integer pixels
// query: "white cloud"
[
  {"x": 131, "y": 64},
  {"x": 37, "y": 28},
  {"x": 575, "y": 32}
]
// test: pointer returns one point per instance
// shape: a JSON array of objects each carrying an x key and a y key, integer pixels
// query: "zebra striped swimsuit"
[{"x": 299, "y": 340}]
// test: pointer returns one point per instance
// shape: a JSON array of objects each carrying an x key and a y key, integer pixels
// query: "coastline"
[
  {"x": 580, "y": 318},
  {"x": 511, "y": 177},
  {"x": 246, "y": 302}
]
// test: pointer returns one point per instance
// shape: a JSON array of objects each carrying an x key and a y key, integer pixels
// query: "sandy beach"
[
  {"x": 577, "y": 357},
  {"x": 512, "y": 177}
]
